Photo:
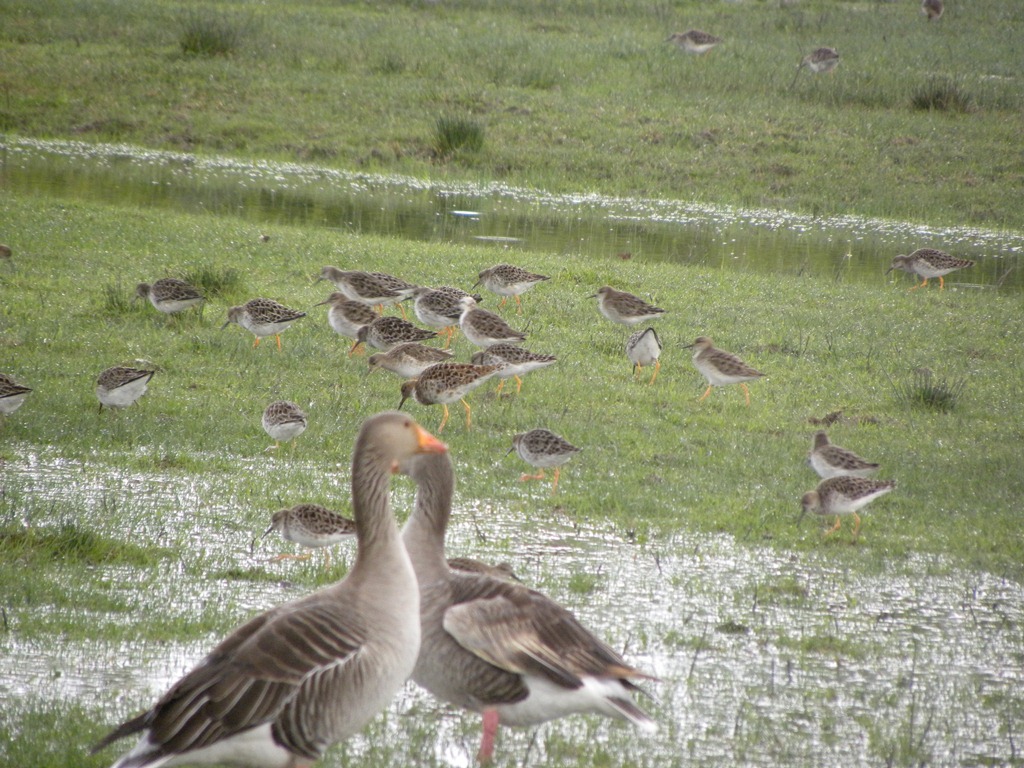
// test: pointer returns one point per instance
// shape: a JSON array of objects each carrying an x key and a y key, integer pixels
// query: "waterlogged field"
[
  {"x": 765, "y": 657},
  {"x": 128, "y": 538}
]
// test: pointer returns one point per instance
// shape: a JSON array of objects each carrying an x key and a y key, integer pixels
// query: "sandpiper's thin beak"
[
  {"x": 890, "y": 269},
  {"x": 510, "y": 450},
  {"x": 226, "y": 324},
  {"x": 321, "y": 303},
  {"x": 267, "y": 532},
  {"x": 355, "y": 347},
  {"x": 427, "y": 443}
]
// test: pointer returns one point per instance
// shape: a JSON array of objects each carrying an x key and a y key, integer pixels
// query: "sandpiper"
[
  {"x": 501, "y": 570},
  {"x": 408, "y": 359},
  {"x": 820, "y": 60},
  {"x": 385, "y": 332},
  {"x": 283, "y": 420},
  {"x": 170, "y": 295},
  {"x": 624, "y": 308},
  {"x": 844, "y": 496},
  {"x": 694, "y": 41},
  {"x": 507, "y": 280},
  {"x": 364, "y": 287},
  {"x": 120, "y": 386},
  {"x": 263, "y": 317},
  {"x": 932, "y": 9},
  {"x": 439, "y": 309},
  {"x": 517, "y": 362},
  {"x": 644, "y": 348},
  {"x": 542, "y": 448},
  {"x": 310, "y": 525},
  {"x": 485, "y": 329},
  {"x": 445, "y": 383},
  {"x": 928, "y": 263},
  {"x": 12, "y": 395},
  {"x": 720, "y": 367},
  {"x": 830, "y": 460},
  {"x": 345, "y": 316}
]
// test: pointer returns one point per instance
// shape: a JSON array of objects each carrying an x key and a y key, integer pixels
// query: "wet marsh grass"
[
  {"x": 572, "y": 98},
  {"x": 186, "y": 477}
]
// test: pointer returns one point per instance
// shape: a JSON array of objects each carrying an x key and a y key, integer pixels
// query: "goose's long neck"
[
  {"x": 376, "y": 529},
  {"x": 424, "y": 532}
]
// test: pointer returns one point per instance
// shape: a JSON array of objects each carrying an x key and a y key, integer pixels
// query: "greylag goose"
[
  {"x": 291, "y": 682},
  {"x": 499, "y": 648}
]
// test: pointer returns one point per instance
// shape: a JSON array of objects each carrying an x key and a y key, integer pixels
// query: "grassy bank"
[{"x": 919, "y": 122}]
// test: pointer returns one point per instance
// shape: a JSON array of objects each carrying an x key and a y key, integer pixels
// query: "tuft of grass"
[
  {"x": 206, "y": 33},
  {"x": 215, "y": 281},
  {"x": 69, "y": 543},
  {"x": 453, "y": 133},
  {"x": 116, "y": 300},
  {"x": 927, "y": 391},
  {"x": 942, "y": 94}
]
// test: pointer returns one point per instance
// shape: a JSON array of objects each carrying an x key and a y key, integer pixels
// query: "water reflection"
[
  {"x": 765, "y": 657},
  {"x": 842, "y": 248}
]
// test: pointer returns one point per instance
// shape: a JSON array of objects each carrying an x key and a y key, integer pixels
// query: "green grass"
[
  {"x": 710, "y": 466},
  {"x": 919, "y": 121}
]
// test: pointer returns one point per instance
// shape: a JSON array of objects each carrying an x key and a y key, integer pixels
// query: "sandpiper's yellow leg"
[
  {"x": 500, "y": 385},
  {"x": 746, "y": 392},
  {"x": 920, "y": 285},
  {"x": 444, "y": 420},
  {"x": 554, "y": 485},
  {"x": 538, "y": 476},
  {"x": 519, "y": 305},
  {"x": 942, "y": 283},
  {"x": 657, "y": 367},
  {"x": 706, "y": 393},
  {"x": 519, "y": 384},
  {"x": 856, "y": 524},
  {"x": 503, "y": 300},
  {"x": 835, "y": 527},
  {"x": 468, "y": 416},
  {"x": 256, "y": 343},
  {"x": 278, "y": 337}
]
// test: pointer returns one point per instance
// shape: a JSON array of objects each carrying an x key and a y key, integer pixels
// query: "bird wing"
[
  {"x": 522, "y": 631},
  {"x": 249, "y": 678}
]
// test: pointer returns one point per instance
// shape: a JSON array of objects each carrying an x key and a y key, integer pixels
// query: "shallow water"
[
  {"x": 765, "y": 657},
  {"x": 588, "y": 225}
]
